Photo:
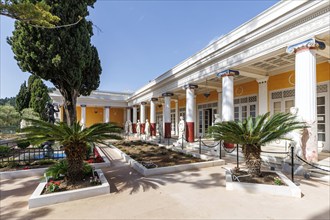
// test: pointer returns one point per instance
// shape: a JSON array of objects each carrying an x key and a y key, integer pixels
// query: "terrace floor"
[{"x": 196, "y": 194}]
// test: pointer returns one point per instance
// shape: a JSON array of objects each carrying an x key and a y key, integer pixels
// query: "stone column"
[
  {"x": 128, "y": 114},
  {"x": 167, "y": 114},
  {"x": 228, "y": 94},
  {"x": 263, "y": 95},
  {"x": 306, "y": 95},
  {"x": 134, "y": 118},
  {"x": 142, "y": 116},
  {"x": 83, "y": 116},
  {"x": 106, "y": 111},
  {"x": 176, "y": 117},
  {"x": 219, "y": 91},
  {"x": 153, "y": 116},
  {"x": 190, "y": 112}
]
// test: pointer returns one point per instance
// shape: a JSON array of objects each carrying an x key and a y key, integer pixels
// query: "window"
[{"x": 245, "y": 107}]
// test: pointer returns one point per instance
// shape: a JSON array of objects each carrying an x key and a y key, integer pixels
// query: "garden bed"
[
  {"x": 265, "y": 184},
  {"x": 166, "y": 160},
  {"x": 38, "y": 199}
]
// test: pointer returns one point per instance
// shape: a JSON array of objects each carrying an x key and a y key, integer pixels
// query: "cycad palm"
[
  {"x": 73, "y": 138},
  {"x": 253, "y": 133}
]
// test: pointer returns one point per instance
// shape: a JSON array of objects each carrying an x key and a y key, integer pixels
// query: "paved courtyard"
[{"x": 196, "y": 194}]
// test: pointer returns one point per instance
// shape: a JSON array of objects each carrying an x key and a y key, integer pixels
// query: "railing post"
[
  {"x": 292, "y": 163},
  {"x": 182, "y": 142},
  {"x": 220, "y": 149},
  {"x": 200, "y": 145},
  {"x": 237, "y": 156}
]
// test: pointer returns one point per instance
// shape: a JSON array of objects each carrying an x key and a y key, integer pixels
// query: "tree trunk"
[
  {"x": 75, "y": 156},
  {"x": 252, "y": 159},
  {"x": 70, "y": 100}
]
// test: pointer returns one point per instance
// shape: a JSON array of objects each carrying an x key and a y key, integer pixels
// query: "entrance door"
[{"x": 207, "y": 119}]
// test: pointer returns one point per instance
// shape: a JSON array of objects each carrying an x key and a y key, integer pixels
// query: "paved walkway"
[{"x": 196, "y": 194}]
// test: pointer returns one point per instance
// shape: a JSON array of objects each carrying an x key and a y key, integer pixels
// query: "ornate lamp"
[{"x": 207, "y": 93}]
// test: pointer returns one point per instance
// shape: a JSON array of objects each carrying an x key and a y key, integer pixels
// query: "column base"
[
  {"x": 153, "y": 129},
  {"x": 134, "y": 128},
  {"x": 167, "y": 130},
  {"x": 190, "y": 132},
  {"x": 142, "y": 127}
]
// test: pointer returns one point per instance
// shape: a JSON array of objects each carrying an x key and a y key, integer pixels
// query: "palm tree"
[
  {"x": 73, "y": 138},
  {"x": 254, "y": 133}
]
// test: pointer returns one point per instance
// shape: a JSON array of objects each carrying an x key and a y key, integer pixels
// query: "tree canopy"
[
  {"x": 8, "y": 116},
  {"x": 22, "y": 98},
  {"x": 63, "y": 56},
  {"x": 30, "y": 12}
]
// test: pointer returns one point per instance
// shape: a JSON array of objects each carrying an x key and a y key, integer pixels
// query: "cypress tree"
[{"x": 22, "y": 98}]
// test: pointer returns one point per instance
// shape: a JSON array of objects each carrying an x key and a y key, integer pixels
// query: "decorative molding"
[
  {"x": 239, "y": 90},
  {"x": 228, "y": 72},
  {"x": 311, "y": 43},
  {"x": 167, "y": 94},
  {"x": 154, "y": 99},
  {"x": 263, "y": 80},
  {"x": 190, "y": 86}
]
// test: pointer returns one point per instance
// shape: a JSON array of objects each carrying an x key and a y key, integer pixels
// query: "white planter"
[
  {"x": 171, "y": 169},
  {"x": 38, "y": 200},
  {"x": 291, "y": 190}
]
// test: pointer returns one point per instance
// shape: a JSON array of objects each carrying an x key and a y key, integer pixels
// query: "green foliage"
[
  {"x": 23, "y": 144},
  {"x": 8, "y": 101},
  {"x": 253, "y": 133},
  {"x": 44, "y": 162},
  {"x": 4, "y": 150},
  {"x": 22, "y": 98},
  {"x": 259, "y": 131},
  {"x": 57, "y": 169},
  {"x": 53, "y": 186},
  {"x": 68, "y": 59},
  {"x": 39, "y": 98},
  {"x": 278, "y": 181},
  {"x": 73, "y": 138},
  {"x": 8, "y": 116},
  {"x": 29, "y": 113},
  {"x": 31, "y": 12}
]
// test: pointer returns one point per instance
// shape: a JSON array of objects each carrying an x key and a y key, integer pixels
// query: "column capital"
[
  {"x": 167, "y": 94},
  {"x": 154, "y": 99},
  {"x": 190, "y": 86},
  {"x": 228, "y": 72},
  {"x": 83, "y": 105},
  {"x": 263, "y": 80},
  {"x": 135, "y": 106},
  {"x": 143, "y": 103},
  {"x": 106, "y": 106},
  {"x": 311, "y": 43}
]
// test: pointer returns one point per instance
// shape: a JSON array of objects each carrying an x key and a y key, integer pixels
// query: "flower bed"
[{"x": 38, "y": 199}]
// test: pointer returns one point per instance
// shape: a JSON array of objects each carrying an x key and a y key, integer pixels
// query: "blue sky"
[{"x": 140, "y": 40}]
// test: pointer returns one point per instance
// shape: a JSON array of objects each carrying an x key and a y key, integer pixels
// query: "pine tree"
[
  {"x": 39, "y": 97},
  {"x": 22, "y": 98},
  {"x": 63, "y": 56}
]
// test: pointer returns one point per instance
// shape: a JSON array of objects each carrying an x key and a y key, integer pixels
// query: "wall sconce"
[
  {"x": 95, "y": 110},
  {"x": 207, "y": 93}
]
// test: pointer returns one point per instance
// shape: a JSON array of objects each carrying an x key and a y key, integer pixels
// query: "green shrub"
[
  {"x": 4, "y": 150},
  {"x": 61, "y": 168},
  {"x": 23, "y": 145},
  {"x": 13, "y": 164},
  {"x": 44, "y": 162}
]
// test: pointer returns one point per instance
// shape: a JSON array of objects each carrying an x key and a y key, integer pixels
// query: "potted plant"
[{"x": 253, "y": 133}]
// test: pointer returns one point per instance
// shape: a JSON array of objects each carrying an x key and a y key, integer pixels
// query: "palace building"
[{"x": 277, "y": 60}]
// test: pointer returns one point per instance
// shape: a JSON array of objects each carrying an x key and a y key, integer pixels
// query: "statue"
[
  {"x": 147, "y": 129},
  {"x": 130, "y": 129},
  {"x": 182, "y": 128},
  {"x": 217, "y": 119},
  {"x": 160, "y": 127},
  {"x": 138, "y": 127},
  {"x": 50, "y": 112},
  {"x": 127, "y": 127}
]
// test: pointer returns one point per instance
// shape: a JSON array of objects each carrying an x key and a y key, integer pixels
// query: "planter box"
[
  {"x": 38, "y": 200},
  {"x": 171, "y": 169},
  {"x": 291, "y": 190}
]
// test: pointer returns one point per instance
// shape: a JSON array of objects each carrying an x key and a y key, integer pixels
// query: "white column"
[
  {"x": 167, "y": 114},
  {"x": 83, "y": 116},
  {"x": 228, "y": 98},
  {"x": 176, "y": 117},
  {"x": 305, "y": 93},
  {"x": 195, "y": 116},
  {"x": 153, "y": 110},
  {"x": 106, "y": 114},
  {"x": 219, "y": 91},
  {"x": 143, "y": 112},
  {"x": 228, "y": 94},
  {"x": 128, "y": 114},
  {"x": 263, "y": 95},
  {"x": 190, "y": 111},
  {"x": 134, "y": 114}
]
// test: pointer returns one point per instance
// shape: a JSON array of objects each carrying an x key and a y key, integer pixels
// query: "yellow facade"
[{"x": 117, "y": 116}]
